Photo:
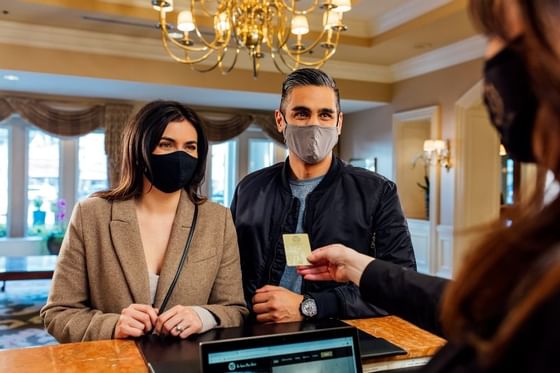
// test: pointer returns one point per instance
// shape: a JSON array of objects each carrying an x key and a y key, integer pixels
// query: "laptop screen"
[{"x": 334, "y": 350}]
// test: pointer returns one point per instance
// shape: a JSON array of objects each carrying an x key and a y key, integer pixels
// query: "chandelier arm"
[
  {"x": 268, "y": 24},
  {"x": 219, "y": 59},
  {"x": 212, "y": 45},
  {"x": 228, "y": 70},
  {"x": 310, "y": 63},
  {"x": 298, "y": 61},
  {"x": 277, "y": 65},
  {"x": 283, "y": 38},
  {"x": 308, "y": 49},
  {"x": 204, "y": 9},
  {"x": 281, "y": 4},
  {"x": 183, "y": 60},
  {"x": 292, "y": 67}
]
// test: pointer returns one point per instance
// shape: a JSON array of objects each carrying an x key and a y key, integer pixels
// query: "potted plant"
[
  {"x": 38, "y": 214},
  {"x": 56, "y": 234}
]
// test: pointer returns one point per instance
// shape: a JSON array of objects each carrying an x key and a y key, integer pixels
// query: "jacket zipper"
[
  {"x": 276, "y": 241},
  {"x": 303, "y": 225}
]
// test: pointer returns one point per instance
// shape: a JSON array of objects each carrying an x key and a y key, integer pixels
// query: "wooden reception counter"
[{"x": 124, "y": 356}]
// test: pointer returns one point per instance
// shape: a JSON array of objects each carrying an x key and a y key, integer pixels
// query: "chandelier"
[{"x": 216, "y": 31}]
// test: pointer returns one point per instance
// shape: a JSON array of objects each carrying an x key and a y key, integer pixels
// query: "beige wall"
[
  {"x": 441, "y": 88},
  {"x": 370, "y": 132},
  {"x": 53, "y": 61}
]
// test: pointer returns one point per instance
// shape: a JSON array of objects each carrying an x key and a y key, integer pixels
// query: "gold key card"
[{"x": 297, "y": 248}]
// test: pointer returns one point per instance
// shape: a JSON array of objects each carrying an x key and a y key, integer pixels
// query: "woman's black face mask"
[
  {"x": 172, "y": 171},
  {"x": 510, "y": 100}
]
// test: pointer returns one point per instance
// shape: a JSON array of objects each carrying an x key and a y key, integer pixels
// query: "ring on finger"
[{"x": 179, "y": 328}]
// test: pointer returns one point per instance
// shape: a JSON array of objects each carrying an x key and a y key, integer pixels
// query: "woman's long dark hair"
[
  {"x": 141, "y": 137},
  {"x": 516, "y": 268}
]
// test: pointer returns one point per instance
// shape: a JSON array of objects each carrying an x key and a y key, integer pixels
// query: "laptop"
[
  {"x": 321, "y": 350},
  {"x": 170, "y": 354}
]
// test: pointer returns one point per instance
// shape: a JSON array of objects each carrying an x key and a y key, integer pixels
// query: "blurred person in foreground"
[{"x": 502, "y": 311}]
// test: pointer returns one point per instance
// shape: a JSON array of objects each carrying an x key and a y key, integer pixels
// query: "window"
[
  {"x": 511, "y": 182},
  {"x": 42, "y": 180},
  {"x": 264, "y": 152},
  {"x": 92, "y": 164},
  {"x": 507, "y": 181},
  {"x": 261, "y": 154},
  {"x": 223, "y": 161},
  {"x": 44, "y": 174},
  {"x": 230, "y": 161},
  {"x": 4, "y": 162}
]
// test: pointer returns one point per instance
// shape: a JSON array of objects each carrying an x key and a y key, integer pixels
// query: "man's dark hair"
[{"x": 305, "y": 77}]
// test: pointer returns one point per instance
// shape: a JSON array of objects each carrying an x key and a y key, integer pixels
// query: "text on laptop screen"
[{"x": 333, "y": 355}]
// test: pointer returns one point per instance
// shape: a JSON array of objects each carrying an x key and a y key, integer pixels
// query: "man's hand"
[
  {"x": 135, "y": 320},
  {"x": 276, "y": 304}
]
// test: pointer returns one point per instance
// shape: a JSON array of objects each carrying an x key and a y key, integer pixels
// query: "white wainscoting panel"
[
  {"x": 443, "y": 258},
  {"x": 420, "y": 235}
]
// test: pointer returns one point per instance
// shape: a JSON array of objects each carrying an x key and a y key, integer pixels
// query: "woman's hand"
[
  {"x": 335, "y": 263},
  {"x": 135, "y": 320},
  {"x": 179, "y": 321}
]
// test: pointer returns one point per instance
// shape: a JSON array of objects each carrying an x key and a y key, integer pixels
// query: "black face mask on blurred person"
[
  {"x": 510, "y": 101},
  {"x": 172, "y": 171}
]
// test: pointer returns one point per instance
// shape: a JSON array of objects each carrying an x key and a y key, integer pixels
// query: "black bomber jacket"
[{"x": 351, "y": 206}]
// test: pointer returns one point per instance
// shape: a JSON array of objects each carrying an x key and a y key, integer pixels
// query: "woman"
[
  {"x": 502, "y": 312},
  {"x": 120, "y": 272}
]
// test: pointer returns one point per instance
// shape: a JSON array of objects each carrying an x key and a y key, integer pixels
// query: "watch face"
[{"x": 309, "y": 307}]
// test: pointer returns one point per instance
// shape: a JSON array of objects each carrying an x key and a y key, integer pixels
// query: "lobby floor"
[{"x": 20, "y": 324}]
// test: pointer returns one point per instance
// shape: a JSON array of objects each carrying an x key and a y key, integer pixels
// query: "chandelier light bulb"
[
  {"x": 333, "y": 19},
  {"x": 342, "y": 5},
  {"x": 222, "y": 22},
  {"x": 300, "y": 26},
  {"x": 185, "y": 21},
  {"x": 276, "y": 29}
]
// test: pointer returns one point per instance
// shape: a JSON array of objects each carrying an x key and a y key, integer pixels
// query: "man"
[{"x": 313, "y": 192}]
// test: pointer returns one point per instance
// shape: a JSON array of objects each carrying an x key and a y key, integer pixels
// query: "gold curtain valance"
[
  {"x": 113, "y": 118},
  {"x": 56, "y": 121},
  {"x": 225, "y": 129},
  {"x": 59, "y": 122}
]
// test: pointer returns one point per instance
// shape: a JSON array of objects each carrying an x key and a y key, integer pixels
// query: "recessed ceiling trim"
[
  {"x": 454, "y": 54},
  {"x": 404, "y": 13},
  {"x": 151, "y": 49}
]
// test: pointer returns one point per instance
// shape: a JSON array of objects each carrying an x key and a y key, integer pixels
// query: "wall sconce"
[
  {"x": 503, "y": 151},
  {"x": 438, "y": 150}
]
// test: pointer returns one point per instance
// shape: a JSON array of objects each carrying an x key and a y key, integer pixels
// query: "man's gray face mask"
[{"x": 311, "y": 143}]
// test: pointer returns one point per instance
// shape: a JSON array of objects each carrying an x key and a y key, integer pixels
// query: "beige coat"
[{"x": 102, "y": 269}]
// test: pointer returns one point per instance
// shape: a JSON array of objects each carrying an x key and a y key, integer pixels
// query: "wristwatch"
[{"x": 308, "y": 307}]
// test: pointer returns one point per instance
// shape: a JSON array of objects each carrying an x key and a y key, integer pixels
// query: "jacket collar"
[
  {"x": 125, "y": 234},
  {"x": 333, "y": 172}
]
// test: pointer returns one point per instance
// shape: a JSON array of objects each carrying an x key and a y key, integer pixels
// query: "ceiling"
[{"x": 383, "y": 36}]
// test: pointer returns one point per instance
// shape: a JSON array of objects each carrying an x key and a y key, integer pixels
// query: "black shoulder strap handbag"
[{"x": 181, "y": 262}]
